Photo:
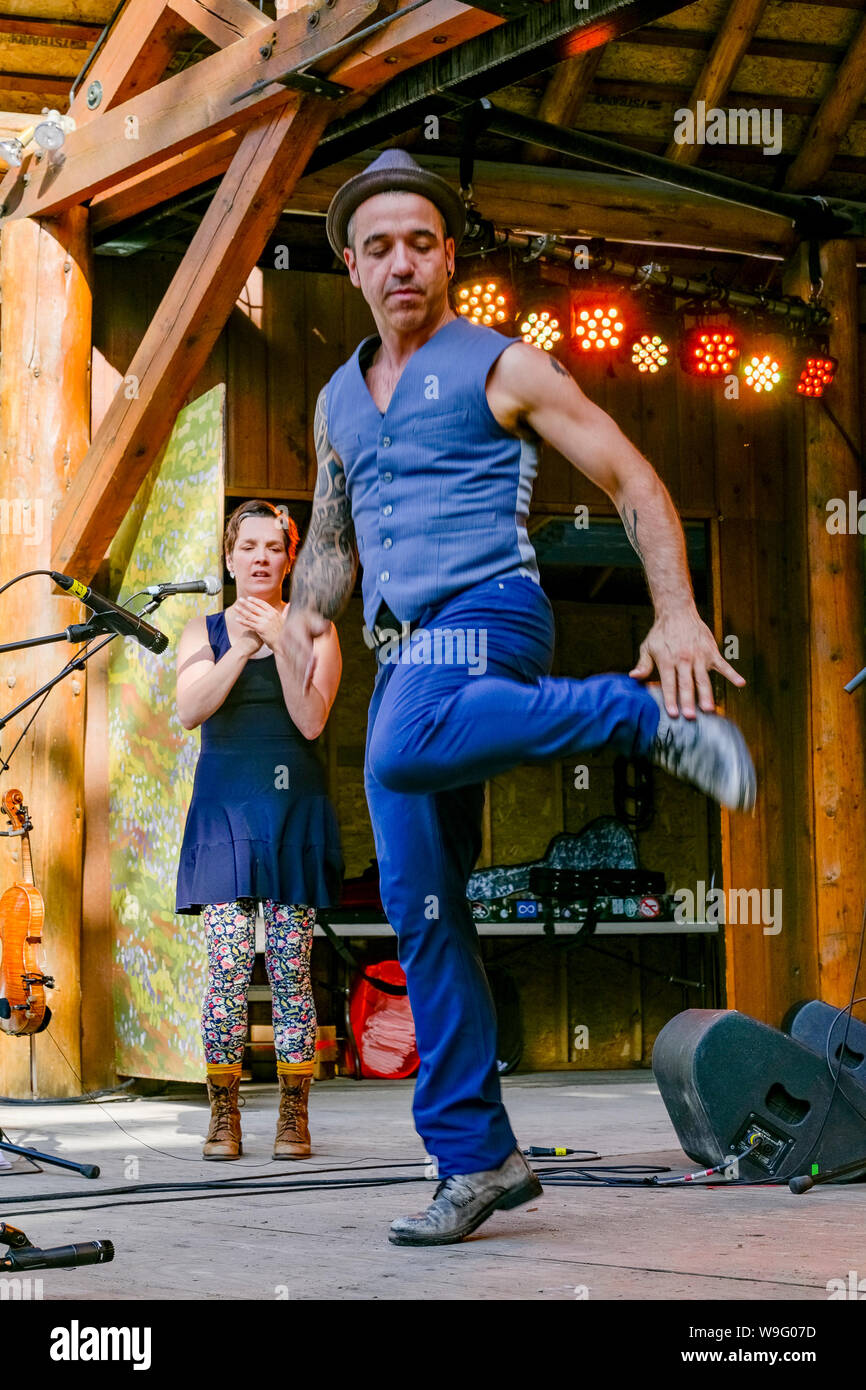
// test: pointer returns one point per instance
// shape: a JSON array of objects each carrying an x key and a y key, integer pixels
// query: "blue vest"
[{"x": 439, "y": 491}]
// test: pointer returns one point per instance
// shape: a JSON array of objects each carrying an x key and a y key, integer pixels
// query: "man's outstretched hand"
[
  {"x": 683, "y": 651},
  {"x": 300, "y": 629}
]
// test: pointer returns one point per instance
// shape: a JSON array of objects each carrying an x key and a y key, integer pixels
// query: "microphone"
[
  {"x": 89, "y": 1252},
  {"x": 187, "y": 586},
  {"x": 129, "y": 624}
]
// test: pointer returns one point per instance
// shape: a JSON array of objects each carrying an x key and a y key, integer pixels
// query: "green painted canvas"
[{"x": 160, "y": 961}]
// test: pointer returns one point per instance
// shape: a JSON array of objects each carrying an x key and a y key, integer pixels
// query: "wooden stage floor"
[{"x": 605, "y": 1244}]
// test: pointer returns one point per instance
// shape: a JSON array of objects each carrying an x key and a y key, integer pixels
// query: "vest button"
[
  {"x": 386, "y": 511},
  {"x": 387, "y": 543},
  {"x": 386, "y": 441},
  {"x": 385, "y": 576},
  {"x": 386, "y": 477}
]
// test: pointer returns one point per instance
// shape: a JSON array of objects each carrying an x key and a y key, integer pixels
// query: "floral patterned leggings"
[{"x": 230, "y": 930}]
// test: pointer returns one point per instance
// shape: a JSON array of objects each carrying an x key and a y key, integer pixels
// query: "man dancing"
[{"x": 427, "y": 447}]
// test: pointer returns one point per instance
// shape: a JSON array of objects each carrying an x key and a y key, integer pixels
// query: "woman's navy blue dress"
[{"x": 260, "y": 824}]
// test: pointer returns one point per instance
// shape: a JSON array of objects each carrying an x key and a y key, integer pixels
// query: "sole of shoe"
[
  {"x": 515, "y": 1197},
  {"x": 223, "y": 1158},
  {"x": 290, "y": 1158},
  {"x": 741, "y": 795}
]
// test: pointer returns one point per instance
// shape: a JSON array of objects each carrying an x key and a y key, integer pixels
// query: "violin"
[{"x": 23, "y": 982}]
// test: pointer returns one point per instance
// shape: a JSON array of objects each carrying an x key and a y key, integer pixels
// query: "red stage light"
[
  {"x": 597, "y": 327},
  {"x": 709, "y": 350},
  {"x": 817, "y": 375}
]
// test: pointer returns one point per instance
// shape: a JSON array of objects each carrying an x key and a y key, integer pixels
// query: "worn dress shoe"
[{"x": 461, "y": 1203}]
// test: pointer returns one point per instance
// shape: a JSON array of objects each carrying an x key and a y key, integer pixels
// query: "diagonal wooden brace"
[{"x": 270, "y": 159}]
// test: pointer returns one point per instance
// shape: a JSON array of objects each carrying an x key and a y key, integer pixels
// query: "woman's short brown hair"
[{"x": 257, "y": 506}]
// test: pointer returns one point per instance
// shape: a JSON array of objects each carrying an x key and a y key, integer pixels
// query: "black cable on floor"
[{"x": 334, "y": 1184}]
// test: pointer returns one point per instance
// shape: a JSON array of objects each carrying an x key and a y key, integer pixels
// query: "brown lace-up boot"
[
  {"x": 293, "y": 1132},
  {"x": 224, "y": 1136}
]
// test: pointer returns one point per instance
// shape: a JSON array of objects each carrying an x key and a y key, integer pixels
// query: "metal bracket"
[
  {"x": 304, "y": 80},
  {"x": 313, "y": 85}
]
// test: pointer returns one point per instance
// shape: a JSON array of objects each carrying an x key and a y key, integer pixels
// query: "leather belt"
[{"x": 386, "y": 628}]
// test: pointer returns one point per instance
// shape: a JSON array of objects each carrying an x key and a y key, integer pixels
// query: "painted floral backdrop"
[{"x": 160, "y": 960}]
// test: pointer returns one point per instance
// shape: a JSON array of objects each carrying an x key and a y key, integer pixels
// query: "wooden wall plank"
[
  {"x": 247, "y": 403},
  {"x": 285, "y": 335},
  {"x": 836, "y": 636}
]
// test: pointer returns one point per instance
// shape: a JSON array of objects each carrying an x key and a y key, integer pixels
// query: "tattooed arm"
[
  {"x": 322, "y": 579},
  {"x": 530, "y": 392},
  {"x": 324, "y": 572}
]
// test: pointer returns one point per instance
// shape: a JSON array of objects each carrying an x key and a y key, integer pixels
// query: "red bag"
[{"x": 383, "y": 1025}]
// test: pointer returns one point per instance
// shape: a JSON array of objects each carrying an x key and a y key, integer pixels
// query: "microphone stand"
[{"x": 77, "y": 632}]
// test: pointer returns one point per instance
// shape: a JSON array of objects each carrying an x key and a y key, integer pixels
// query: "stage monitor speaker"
[
  {"x": 821, "y": 1028},
  {"x": 736, "y": 1088}
]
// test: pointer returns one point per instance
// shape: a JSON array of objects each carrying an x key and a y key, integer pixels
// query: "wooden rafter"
[
  {"x": 221, "y": 21},
  {"x": 183, "y": 171},
  {"x": 420, "y": 42},
  {"x": 718, "y": 72},
  {"x": 191, "y": 316},
  {"x": 831, "y": 121},
  {"x": 74, "y": 30},
  {"x": 136, "y": 53},
  {"x": 620, "y": 207},
  {"x": 177, "y": 113},
  {"x": 192, "y": 110},
  {"x": 565, "y": 93}
]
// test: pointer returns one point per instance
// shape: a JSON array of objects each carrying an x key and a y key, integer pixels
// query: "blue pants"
[{"x": 437, "y": 729}]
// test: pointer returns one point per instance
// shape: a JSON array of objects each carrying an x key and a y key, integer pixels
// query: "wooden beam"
[
  {"x": 431, "y": 30},
  {"x": 618, "y": 207},
  {"x": 193, "y": 311},
  {"x": 221, "y": 21},
  {"x": 44, "y": 418},
  {"x": 178, "y": 113},
  {"x": 700, "y": 40},
  {"x": 675, "y": 94},
  {"x": 555, "y": 26},
  {"x": 178, "y": 174},
  {"x": 139, "y": 48},
  {"x": 44, "y": 84},
  {"x": 565, "y": 93},
  {"x": 72, "y": 31},
  {"x": 837, "y": 111},
  {"x": 732, "y": 41},
  {"x": 835, "y": 634},
  {"x": 547, "y": 34},
  {"x": 408, "y": 41}
]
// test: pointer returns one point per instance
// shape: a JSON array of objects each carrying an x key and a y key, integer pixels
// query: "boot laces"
[{"x": 222, "y": 1109}]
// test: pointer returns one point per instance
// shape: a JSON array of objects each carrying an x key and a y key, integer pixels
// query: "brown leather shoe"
[
  {"x": 293, "y": 1131},
  {"x": 224, "y": 1136}
]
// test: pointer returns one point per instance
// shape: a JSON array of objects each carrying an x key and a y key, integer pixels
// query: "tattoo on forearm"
[
  {"x": 557, "y": 366},
  {"x": 631, "y": 531},
  {"x": 324, "y": 573}
]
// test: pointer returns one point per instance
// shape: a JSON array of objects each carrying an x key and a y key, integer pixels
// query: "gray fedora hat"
[{"x": 393, "y": 170}]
